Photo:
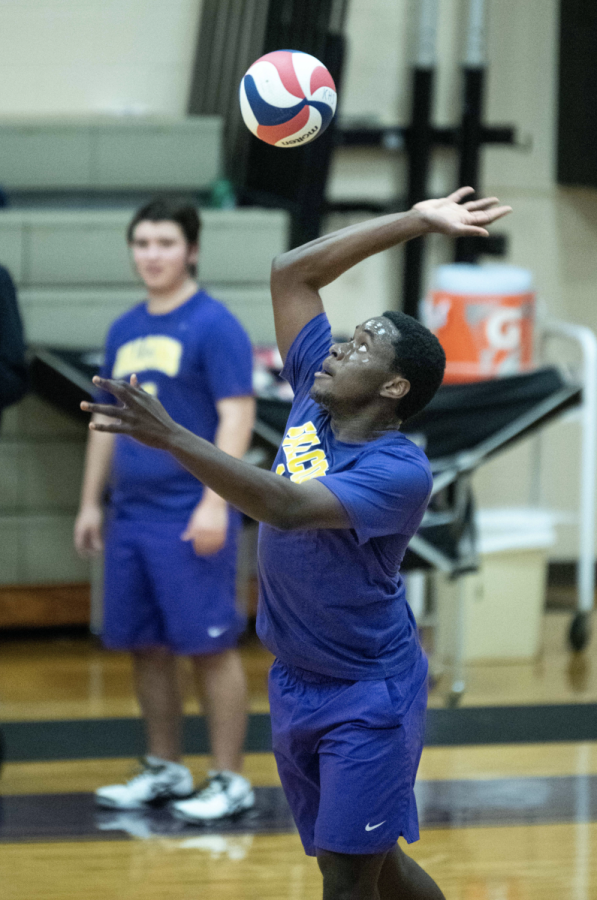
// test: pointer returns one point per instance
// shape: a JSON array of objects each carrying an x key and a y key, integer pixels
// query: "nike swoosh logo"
[
  {"x": 373, "y": 827},
  {"x": 216, "y": 632}
]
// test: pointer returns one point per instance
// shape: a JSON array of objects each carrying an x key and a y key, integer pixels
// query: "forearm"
[
  {"x": 262, "y": 495},
  {"x": 323, "y": 260},
  {"x": 233, "y": 434},
  {"x": 98, "y": 460},
  {"x": 258, "y": 493}
]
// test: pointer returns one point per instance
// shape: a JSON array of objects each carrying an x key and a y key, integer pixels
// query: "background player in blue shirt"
[
  {"x": 348, "y": 687},
  {"x": 170, "y": 554}
]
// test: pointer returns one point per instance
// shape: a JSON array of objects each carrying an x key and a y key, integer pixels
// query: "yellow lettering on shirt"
[
  {"x": 302, "y": 461},
  {"x": 157, "y": 351}
]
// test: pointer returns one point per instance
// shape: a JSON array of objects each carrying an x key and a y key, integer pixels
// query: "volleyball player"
[
  {"x": 170, "y": 549},
  {"x": 348, "y": 491}
]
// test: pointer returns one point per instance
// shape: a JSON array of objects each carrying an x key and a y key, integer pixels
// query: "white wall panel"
[{"x": 82, "y": 56}]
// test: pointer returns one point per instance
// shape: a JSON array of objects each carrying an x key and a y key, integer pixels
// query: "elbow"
[
  {"x": 283, "y": 261},
  {"x": 284, "y": 523},
  {"x": 287, "y": 517},
  {"x": 281, "y": 270},
  {"x": 290, "y": 268},
  {"x": 279, "y": 265},
  {"x": 277, "y": 518},
  {"x": 282, "y": 512}
]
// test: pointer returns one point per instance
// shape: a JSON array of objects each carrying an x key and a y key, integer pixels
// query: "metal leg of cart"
[
  {"x": 458, "y": 684},
  {"x": 457, "y": 570},
  {"x": 580, "y": 629}
]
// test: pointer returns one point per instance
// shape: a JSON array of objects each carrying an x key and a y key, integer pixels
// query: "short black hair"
[
  {"x": 420, "y": 358},
  {"x": 170, "y": 209}
]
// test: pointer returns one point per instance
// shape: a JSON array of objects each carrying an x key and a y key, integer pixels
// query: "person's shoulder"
[
  {"x": 398, "y": 448},
  {"x": 127, "y": 319},
  {"x": 409, "y": 448},
  {"x": 210, "y": 311},
  {"x": 132, "y": 314}
]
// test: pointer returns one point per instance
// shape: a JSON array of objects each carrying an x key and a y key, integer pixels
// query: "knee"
[
  {"x": 337, "y": 885},
  {"x": 158, "y": 656},
  {"x": 216, "y": 662},
  {"x": 347, "y": 876}
]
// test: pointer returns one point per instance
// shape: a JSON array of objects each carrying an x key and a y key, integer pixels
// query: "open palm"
[{"x": 449, "y": 216}]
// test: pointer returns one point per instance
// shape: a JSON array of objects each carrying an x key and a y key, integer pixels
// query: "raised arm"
[{"x": 298, "y": 276}]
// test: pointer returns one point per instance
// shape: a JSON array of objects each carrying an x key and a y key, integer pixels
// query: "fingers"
[
  {"x": 206, "y": 546},
  {"x": 90, "y": 548},
  {"x": 104, "y": 409},
  {"x": 206, "y": 541},
  {"x": 457, "y": 196},
  {"x": 116, "y": 427},
  {"x": 470, "y": 231},
  {"x": 486, "y": 217},
  {"x": 484, "y": 203},
  {"x": 121, "y": 389},
  {"x": 88, "y": 542},
  {"x": 498, "y": 212}
]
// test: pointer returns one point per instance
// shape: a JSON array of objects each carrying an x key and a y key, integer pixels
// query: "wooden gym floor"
[{"x": 507, "y": 788}]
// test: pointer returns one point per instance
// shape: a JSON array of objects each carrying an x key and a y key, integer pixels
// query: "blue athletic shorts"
[
  {"x": 347, "y": 753},
  {"x": 158, "y": 592}
]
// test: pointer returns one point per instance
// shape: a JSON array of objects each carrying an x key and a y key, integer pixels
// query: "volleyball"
[{"x": 287, "y": 98}]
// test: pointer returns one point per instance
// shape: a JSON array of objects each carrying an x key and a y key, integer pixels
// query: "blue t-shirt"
[
  {"x": 332, "y": 601},
  {"x": 190, "y": 358}
]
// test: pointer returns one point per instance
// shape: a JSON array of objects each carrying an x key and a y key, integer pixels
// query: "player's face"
[
  {"x": 162, "y": 254},
  {"x": 357, "y": 371}
]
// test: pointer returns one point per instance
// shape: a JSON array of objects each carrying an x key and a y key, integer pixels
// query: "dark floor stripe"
[
  {"x": 75, "y": 816},
  {"x": 511, "y": 724},
  {"x": 507, "y": 801},
  {"x": 442, "y": 804},
  {"x": 89, "y": 738}
]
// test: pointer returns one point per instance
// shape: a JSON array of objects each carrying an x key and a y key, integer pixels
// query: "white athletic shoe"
[
  {"x": 222, "y": 794},
  {"x": 158, "y": 780}
]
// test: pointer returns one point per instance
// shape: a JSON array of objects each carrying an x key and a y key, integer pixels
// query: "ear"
[
  {"x": 193, "y": 254},
  {"x": 397, "y": 388}
]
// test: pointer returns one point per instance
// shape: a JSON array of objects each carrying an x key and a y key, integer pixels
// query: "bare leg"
[
  {"x": 156, "y": 681},
  {"x": 401, "y": 878},
  {"x": 223, "y": 688},
  {"x": 348, "y": 876}
]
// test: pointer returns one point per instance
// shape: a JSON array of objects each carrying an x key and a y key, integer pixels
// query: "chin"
[
  {"x": 159, "y": 286},
  {"x": 320, "y": 396}
]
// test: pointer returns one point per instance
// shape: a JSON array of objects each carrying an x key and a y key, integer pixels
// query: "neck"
[
  {"x": 161, "y": 302},
  {"x": 362, "y": 427}
]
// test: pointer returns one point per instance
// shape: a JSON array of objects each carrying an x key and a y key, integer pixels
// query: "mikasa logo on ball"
[{"x": 287, "y": 98}]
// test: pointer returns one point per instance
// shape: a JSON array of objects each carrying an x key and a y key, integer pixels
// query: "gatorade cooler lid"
[{"x": 466, "y": 278}]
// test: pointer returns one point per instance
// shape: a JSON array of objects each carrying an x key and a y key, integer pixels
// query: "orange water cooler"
[{"x": 484, "y": 319}]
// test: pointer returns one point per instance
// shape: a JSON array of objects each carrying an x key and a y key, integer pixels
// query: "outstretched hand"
[
  {"x": 449, "y": 216},
  {"x": 139, "y": 415}
]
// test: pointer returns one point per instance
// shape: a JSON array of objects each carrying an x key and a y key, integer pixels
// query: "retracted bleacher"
[{"x": 72, "y": 187}]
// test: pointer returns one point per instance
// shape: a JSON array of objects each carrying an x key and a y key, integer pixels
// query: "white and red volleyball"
[{"x": 287, "y": 98}]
